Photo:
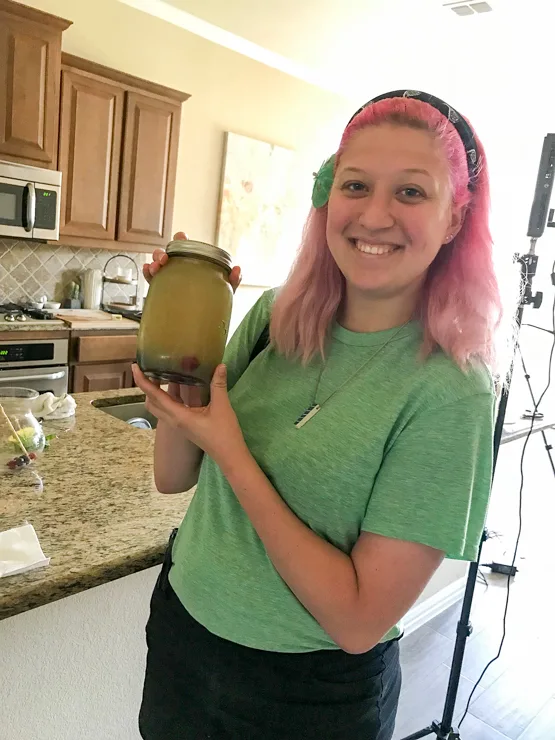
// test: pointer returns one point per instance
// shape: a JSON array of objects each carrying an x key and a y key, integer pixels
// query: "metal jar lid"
[{"x": 190, "y": 248}]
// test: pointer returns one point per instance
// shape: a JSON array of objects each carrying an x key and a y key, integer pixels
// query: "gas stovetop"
[{"x": 14, "y": 313}]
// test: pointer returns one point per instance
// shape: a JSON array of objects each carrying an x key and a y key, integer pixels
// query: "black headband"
[{"x": 463, "y": 129}]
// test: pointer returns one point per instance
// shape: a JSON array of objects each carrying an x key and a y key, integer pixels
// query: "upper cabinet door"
[
  {"x": 30, "y": 54},
  {"x": 149, "y": 165},
  {"x": 91, "y": 128}
]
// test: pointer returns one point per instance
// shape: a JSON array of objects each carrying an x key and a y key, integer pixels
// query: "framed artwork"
[{"x": 255, "y": 198}]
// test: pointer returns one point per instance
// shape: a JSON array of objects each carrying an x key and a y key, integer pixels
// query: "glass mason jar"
[
  {"x": 186, "y": 317},
  {"x": 21, "y": 437}
]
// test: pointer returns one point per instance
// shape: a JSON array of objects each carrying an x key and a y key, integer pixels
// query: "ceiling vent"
[{"x": 468, "y": 8}]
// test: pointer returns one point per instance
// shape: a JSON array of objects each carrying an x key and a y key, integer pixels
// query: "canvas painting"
[{"x": 255, "y": 203}]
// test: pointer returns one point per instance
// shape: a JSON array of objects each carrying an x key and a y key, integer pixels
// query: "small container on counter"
[
  {"x": 91, "y": 283},
  {"x": 186, "y": 316},
  {"x": 21, "y": 436}
]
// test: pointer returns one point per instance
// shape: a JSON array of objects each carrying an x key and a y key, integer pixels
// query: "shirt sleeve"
[
  {"x": 434, "y": 483},
  {"x": 241, "y": 344}
]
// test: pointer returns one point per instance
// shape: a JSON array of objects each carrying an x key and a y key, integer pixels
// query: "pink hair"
[{"x": 460, "y": 305}]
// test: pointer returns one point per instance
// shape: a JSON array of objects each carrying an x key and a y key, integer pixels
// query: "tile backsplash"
[{"x": 29, "y": 270}]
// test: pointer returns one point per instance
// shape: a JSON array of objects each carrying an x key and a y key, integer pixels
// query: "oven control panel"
[
  {"x": 26, "y": 352},
  {"x": 33, "y": 352}
]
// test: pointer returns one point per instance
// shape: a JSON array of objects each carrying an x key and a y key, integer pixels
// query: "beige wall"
[{"x": 229, "y": 92}]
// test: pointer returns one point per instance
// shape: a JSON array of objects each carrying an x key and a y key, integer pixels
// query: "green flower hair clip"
[{"x": 323, "y": 181}]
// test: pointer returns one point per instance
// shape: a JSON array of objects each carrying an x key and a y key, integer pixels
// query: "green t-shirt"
[{"x": 403, "y": 450}]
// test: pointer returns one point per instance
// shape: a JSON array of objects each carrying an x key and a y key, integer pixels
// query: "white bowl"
[
  {"x": 52, "y": 305},
  {"x": 36, "y": 304}
]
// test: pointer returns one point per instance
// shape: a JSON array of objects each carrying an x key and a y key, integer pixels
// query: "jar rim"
[{"x": 192, "y": 248}]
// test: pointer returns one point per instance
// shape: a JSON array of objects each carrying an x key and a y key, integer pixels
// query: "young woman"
[{"x": 341, "y": 463}]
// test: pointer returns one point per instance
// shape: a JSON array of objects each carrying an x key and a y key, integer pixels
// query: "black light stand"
[{"x": 443, "y": 729}]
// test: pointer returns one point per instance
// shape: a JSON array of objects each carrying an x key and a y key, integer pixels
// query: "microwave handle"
[
  {"x": 50, "y": 376},
  {"x": 31, "y": 206}
]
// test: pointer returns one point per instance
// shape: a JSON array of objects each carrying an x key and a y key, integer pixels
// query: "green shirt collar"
[{"x": 369, "y": 339}]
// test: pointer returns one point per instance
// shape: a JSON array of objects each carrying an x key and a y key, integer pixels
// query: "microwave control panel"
[{"x": 45, "y": 214}]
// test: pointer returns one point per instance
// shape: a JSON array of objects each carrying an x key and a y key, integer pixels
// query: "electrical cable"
[
  {"x": 520, "y": 495},
  {"x": 540, "y": 328}
]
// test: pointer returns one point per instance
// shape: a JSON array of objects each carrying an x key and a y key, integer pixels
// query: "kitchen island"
[
  {"x": 98, "y": 516},
  {"x": 72, "y": 642}
]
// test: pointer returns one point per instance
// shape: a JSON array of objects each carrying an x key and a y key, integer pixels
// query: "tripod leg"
[
  {"x": 421, "y": 733},
  {"x": 435, "y": 729},
  {"x": 547, "y": 446},
  {"x": 548, "y": 449}
]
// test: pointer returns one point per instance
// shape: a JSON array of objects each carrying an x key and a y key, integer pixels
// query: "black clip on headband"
[{"x": 324, "y": 178}]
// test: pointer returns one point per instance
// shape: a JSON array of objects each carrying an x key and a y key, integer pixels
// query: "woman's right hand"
[
  {"x": 159, "y": 259},
  {"x": 188, "y": 395}
]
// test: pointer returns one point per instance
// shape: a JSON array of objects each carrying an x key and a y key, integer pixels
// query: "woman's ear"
[{"x": 456, "y": 222}]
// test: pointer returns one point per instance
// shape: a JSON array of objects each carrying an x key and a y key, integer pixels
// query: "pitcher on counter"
[{"x": 345, "y": 452}]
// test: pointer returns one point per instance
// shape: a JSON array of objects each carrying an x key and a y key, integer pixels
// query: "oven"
[{"x": 40, "y": 364}]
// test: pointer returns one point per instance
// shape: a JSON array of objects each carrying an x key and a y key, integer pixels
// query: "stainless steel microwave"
[{"x": 29, "y": 201}]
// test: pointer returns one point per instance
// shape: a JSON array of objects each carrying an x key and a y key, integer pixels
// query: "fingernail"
[{"x": 222, "y": 371}]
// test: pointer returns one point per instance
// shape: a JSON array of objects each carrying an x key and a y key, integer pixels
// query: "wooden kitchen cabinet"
[
  {"x": 149, "y": 166},
  {"x": 102, "y": 377},
  {"x": 91, "y": 127},
  {"x": 118, "y": 145},
  {"x": 103, "y": 348},
  {"x": 101, "y": 361},
  {"x": 30, "y": 57}
]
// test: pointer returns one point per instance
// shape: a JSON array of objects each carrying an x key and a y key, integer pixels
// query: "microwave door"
[{"x": 15, "y": 208}]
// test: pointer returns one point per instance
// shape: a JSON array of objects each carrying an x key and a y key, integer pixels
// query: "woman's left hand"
[{"x": 213, "y": 428}]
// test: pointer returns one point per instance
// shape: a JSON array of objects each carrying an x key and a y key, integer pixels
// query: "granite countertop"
[
  {"x": 81, "y": 320},
  {"x": 93, "y": 504},
  {"x": 17, "y": 326}
]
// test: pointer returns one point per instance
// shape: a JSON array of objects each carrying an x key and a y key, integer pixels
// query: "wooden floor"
[{"x": 516, "y": 698}]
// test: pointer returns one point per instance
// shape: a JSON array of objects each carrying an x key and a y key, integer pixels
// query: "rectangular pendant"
[{"x": 307, "y": 416}]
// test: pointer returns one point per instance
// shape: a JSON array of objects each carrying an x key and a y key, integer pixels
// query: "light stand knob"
[{"x": 537, "y": 300}]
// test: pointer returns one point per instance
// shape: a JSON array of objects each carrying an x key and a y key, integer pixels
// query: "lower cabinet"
[
  {"x": 101, "y": 361},
  {"x": 102, "y": 377}
]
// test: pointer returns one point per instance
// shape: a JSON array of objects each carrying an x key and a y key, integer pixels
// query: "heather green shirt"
[{"x": 404, "y": 450}]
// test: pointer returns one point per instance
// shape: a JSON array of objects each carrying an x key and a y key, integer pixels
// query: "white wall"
[
  {"x": 73, "y": 670},
  {"x": 229, "y": 92},
  {"x": 448, "y": 573}
]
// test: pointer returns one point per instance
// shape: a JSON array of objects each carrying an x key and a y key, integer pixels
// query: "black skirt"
[{"x": 201, "y": 687}]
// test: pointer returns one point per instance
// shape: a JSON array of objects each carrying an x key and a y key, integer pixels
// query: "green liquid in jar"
[{"x": 185, "y": 321}]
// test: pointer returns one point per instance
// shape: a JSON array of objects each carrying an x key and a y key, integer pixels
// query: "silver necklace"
[{"x": 314, "y": 407}]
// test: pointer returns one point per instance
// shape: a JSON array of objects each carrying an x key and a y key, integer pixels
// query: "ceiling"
[{"x": 345, "y": 45}]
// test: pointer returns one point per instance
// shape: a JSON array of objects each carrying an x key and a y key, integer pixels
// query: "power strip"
[{"x": 505, "y": 570}]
